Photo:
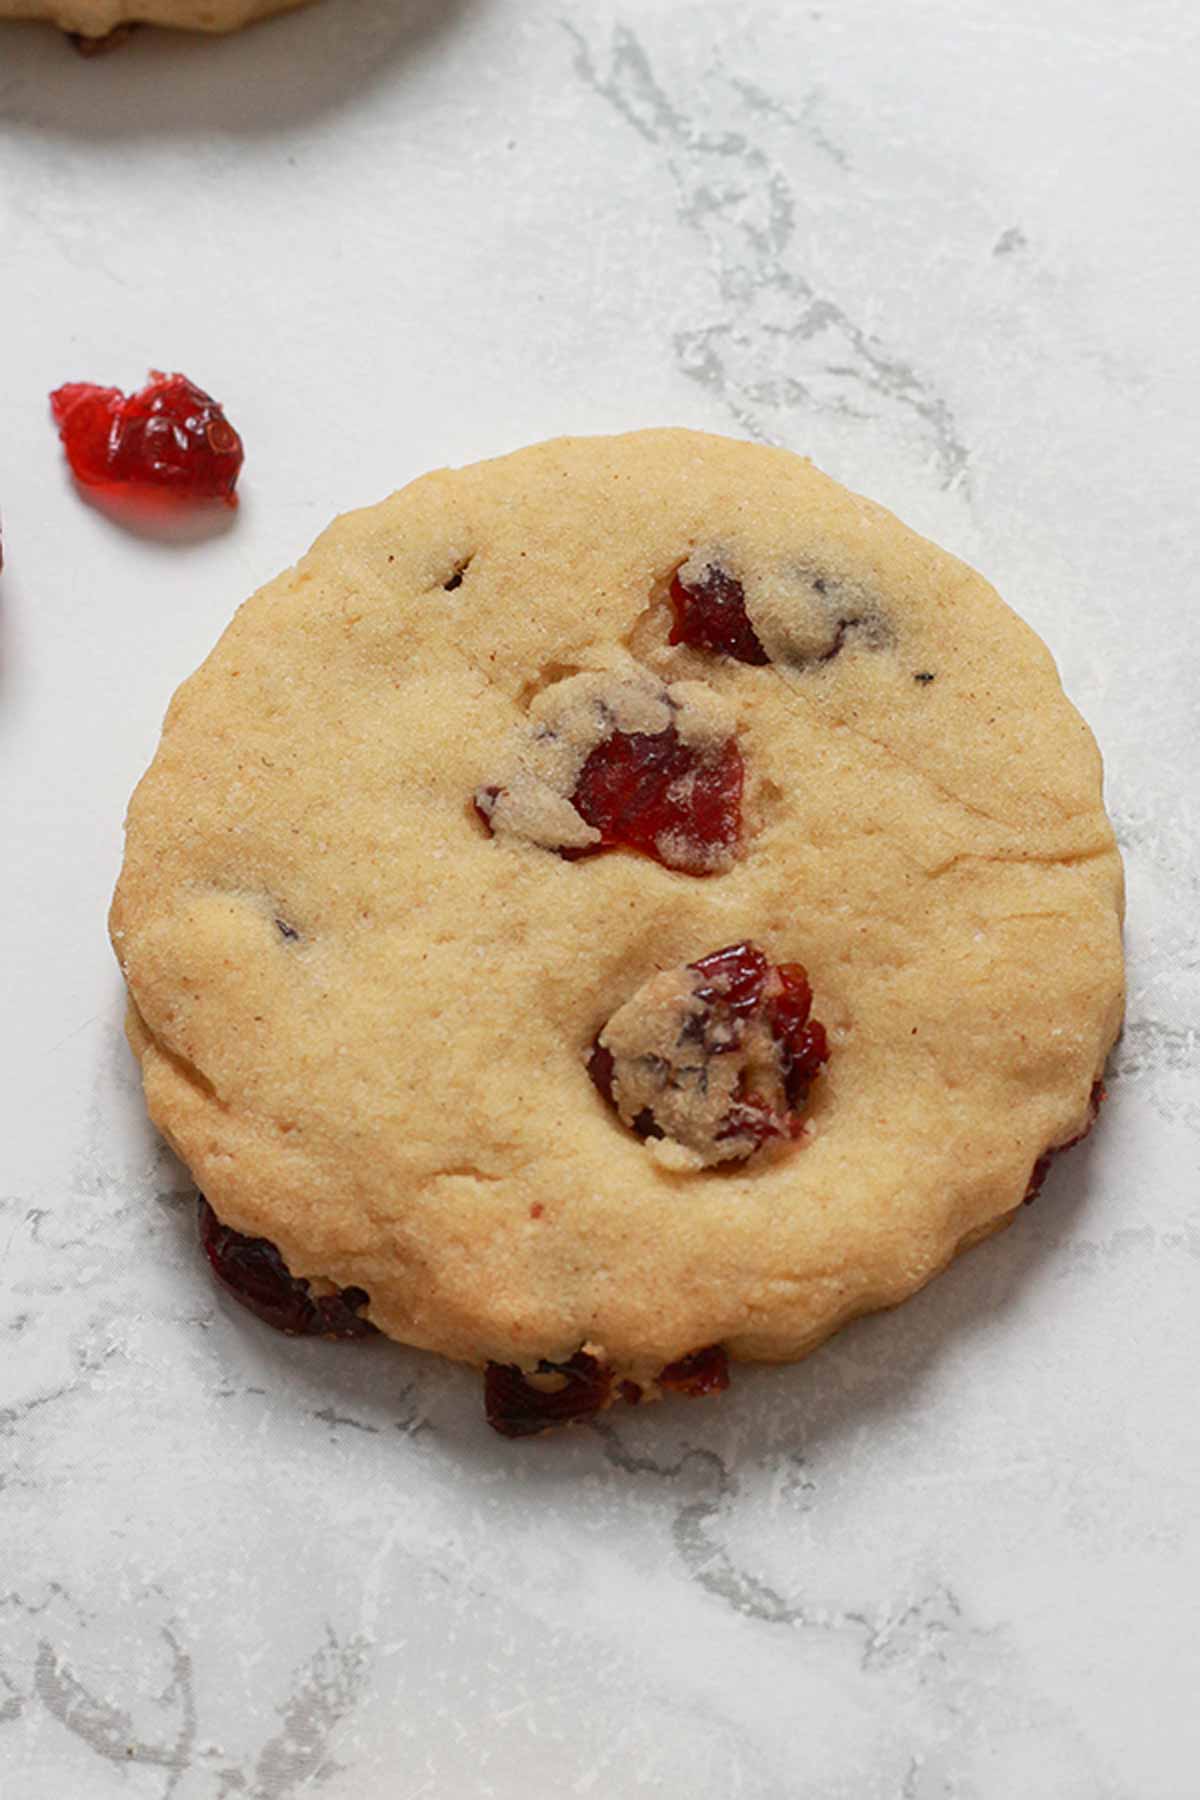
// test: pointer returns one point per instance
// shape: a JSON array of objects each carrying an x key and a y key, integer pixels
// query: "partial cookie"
[
  {"x": 95, "y": 19},
  {"x": 620, "y": 905}
]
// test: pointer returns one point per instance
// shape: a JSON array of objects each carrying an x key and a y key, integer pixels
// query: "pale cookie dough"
[
  {"x": 364, "y": 1018},
  {"x": 96, "y": 18}
]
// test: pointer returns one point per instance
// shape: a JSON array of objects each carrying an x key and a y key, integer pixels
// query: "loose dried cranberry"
[
  {"x": 650, "y": 792},
  {"x": 252, "y": 1270},
  {"x": 1041, "y": 1167},
  {"x": 710, "y": 614},
  {"x": 516, "y": 1408},
  {"x": 703, "y": 1372},
  {"x": 169, "y": 436}
]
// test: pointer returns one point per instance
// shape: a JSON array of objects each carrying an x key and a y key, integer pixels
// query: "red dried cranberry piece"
[
  {"x": 802, "y": 1041},
  {"x": 169, "y": 436},
  {"x": 1041, "y": 1167},
  {"x": 649, "y": 792},
  {"x": 733, "y": 978},
  {"x": 252, "y": 1270},
  {"x": 748, "y": 1008},
  {"x": 752, "y": 1117},
  {"x": 710, "y": 614},
  {"x": 703, "y": 1372},
  {"x": 600, "y": 1067},
  {"x": 515, "y": 1408},
  {"x": 802, "y": 1054}
]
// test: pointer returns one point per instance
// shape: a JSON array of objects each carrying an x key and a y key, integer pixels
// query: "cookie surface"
[
  {"x": 365, "y": 1006},
  {"x": 96, "y": 18}
]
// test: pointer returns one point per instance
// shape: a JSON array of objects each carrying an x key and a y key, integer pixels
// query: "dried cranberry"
[
  {"x": 802, "y": 1041},
  {"x": 650, "y": 792},
  {"x": 754, "y": 1121},
  {"x": 803, "y": 1053},
  {"x": 516, "y": 1408},
  {"x": 733, "y": 978},
  {"x": 703, "y": 1372},
  {"x": 710, "y": 614},
  {"x": 169, "y": 436},
  {"x": 600, "y": 1067},
  {"x": 1041, "y": 1167},
  {"x": 252, "y": 1270},
  {"x": 733, "y": 1005}
]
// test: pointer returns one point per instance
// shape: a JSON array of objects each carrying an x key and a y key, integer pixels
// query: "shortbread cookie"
[
  {"x": 615, "y": 907},
  {"x": 94, "y": 19}
]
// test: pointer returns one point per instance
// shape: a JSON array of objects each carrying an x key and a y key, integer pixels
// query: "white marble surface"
[{"x": 947, "y": 247}]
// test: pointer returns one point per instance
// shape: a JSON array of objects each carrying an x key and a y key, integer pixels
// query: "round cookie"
[
  {"x": 95, "y": 19},
  {"x": 381, "y": 934}
]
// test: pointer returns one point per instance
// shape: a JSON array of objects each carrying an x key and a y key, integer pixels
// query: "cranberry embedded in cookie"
[
  {"x": 709, "y": 610},
  {"x": 519, "y": 1405},
  {"x": 662, "y": 797},
  {"x": 620, "y": 761},
  {"x": 252, "y": 1270},
  {"x": 170, "y": 436},
  {"x": 713, "y": 1060},
  {"x": 1041, "y": 1167},
  {"x": 702, "y": 1373}
]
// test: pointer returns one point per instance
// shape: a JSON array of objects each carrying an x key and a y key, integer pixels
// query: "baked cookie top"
[
  {"x": 380, "y": 931},
  {"x": 96, "y": 18}
]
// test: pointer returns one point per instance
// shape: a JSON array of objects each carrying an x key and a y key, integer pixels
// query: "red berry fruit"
[
  {"x": 702, "y": 1373},
  {"x": 171, "y": 437},
  {"x": 252, "y": 1270},
  {"x": 516, "y": 1407},
  {"x": 710, "y": 614},
  {"x": 650, "y": 792}
]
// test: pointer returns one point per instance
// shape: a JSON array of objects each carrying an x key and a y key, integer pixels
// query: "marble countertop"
[{"x": 947, "y": 248}]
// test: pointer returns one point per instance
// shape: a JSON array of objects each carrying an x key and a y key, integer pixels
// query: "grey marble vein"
[
  {"x": 327, "y": 1686},
  {"x": 774, "y": 345},
  {"x": 107, "y": 1728}
]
